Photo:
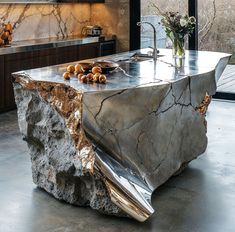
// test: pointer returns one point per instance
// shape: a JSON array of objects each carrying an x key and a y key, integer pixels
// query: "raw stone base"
[
  {"x": 63, "y": 159},
  {"x": 53, "y": 156}
]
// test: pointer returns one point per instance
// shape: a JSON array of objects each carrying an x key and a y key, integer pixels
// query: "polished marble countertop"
[
  {"x": 132, "y": 74},
  {"x": 46, "y": 43}
]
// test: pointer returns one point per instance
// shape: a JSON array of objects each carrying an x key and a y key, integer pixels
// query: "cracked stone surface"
[
  {"x": 110, "y": 146},
  {"x": 61, "y": 166}
]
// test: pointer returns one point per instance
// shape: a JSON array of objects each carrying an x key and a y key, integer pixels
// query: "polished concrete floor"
[
  {"x": 227, "y": 81},
  {"x": 201, "y": 199}
]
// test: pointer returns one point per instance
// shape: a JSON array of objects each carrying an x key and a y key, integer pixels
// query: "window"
[{"x": 149, "y": 13}]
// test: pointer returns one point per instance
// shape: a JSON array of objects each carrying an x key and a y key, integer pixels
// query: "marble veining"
[
  {"x": 38, "y": 21},
  {"x": 45, "y": 20},
  {"x": 114, "y": 17}
]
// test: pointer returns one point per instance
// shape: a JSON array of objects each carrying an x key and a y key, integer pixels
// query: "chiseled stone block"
[{"x": 110, "y": 146}]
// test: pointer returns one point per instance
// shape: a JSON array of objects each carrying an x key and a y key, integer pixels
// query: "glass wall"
[
  {"x": 148, "y": 13},
  {"x": 216, "y": 25},
  {"x": 216, "y": 20}
]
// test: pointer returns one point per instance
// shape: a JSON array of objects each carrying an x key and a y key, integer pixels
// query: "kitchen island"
[{"x": 109, "y": 146}]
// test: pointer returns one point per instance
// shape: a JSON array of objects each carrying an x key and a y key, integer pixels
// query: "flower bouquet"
[{"x": 177, "y": 26}]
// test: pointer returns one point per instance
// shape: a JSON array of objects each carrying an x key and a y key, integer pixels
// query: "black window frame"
[{"x": 135, "y": 16}]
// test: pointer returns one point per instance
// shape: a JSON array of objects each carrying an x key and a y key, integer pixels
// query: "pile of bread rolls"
[
  {"x": 6, "y": 34},
  {"x": 95, "y": 76}
]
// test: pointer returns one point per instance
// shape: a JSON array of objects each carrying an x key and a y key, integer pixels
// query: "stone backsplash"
[
  {"x": 113, "y": 16},
  {"x": 35, "y": 21}
]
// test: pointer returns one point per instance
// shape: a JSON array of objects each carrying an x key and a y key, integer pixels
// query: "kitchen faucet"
[{"x": 155, "y": 51}]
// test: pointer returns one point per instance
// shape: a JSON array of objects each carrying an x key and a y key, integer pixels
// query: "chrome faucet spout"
[{"x": 155, "y": 51}]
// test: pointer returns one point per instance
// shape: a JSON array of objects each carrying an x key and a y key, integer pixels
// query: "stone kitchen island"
[{"x": 109, "y": 146}]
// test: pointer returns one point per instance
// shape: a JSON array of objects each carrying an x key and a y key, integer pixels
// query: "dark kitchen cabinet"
[
  {"x": 66, "y": 54},
  {"x": 45, "y": 57},
  {"x": 107, "y": 48},
  {"x": 14, "y": 63},
  {"x": 87, "y": 51},
  {"x": 80, "y": 52}
]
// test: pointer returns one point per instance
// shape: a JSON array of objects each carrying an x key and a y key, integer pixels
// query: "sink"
[{"x": 139, "y": 57}]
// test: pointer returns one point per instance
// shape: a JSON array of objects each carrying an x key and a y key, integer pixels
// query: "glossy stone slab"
[
  {"x": 35, "y": 21},
  {"x": 110, "y": 146}
]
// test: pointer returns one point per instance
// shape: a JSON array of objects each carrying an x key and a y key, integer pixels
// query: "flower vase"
[{"x": 178, "y": 47}]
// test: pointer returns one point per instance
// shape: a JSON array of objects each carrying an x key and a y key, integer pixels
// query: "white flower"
[
  {"x": 192, "y": 20},
  {"x": 183, "y": 22}
]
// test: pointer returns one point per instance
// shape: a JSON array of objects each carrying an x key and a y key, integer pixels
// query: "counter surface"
[
  {"x": 38, "y": 44},
  {"x": 133, "y": 74}
]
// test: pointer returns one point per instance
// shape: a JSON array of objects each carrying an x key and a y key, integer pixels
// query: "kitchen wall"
[
  {"x": 34, "y": 21},
  {"x": 114, "y": 18}
]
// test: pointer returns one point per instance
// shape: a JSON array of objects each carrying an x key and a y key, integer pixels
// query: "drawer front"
[{"x": 107, "y": 48}]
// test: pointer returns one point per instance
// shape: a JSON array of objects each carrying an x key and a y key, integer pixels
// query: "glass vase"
[{"x": 178, "y": 47}]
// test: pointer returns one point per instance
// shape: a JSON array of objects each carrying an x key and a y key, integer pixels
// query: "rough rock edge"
[{"x": 53, "y": 167}]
